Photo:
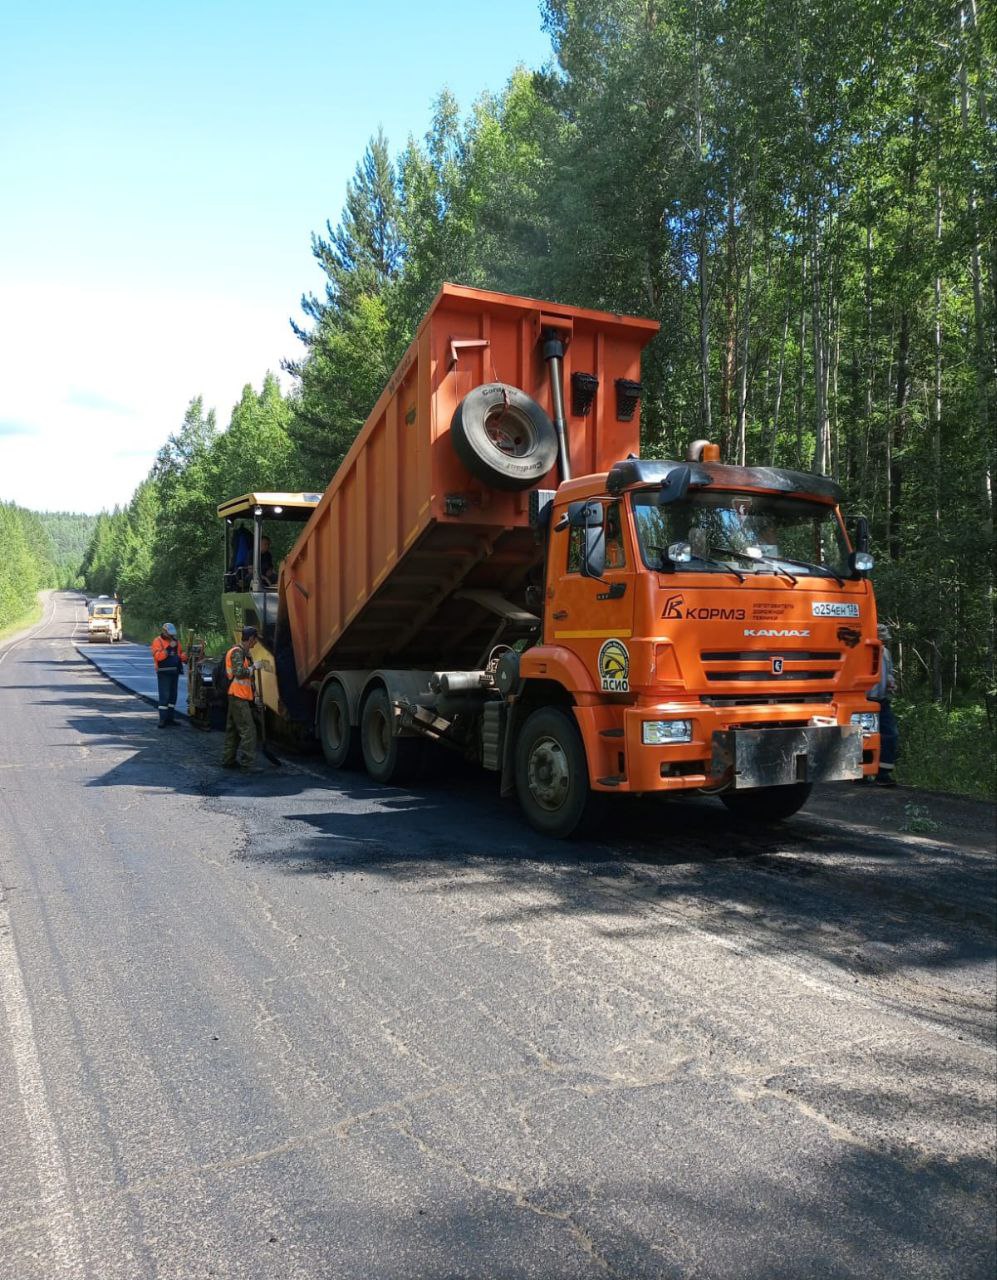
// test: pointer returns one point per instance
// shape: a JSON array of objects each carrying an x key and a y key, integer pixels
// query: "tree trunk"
[
  {"x": 896, "y": 476},
  {"x": 774, "y": 438},
  {"x": 742, "y": 382},
  {"x": 937, "y": 691},
  {"x": 703, "y": 269}
]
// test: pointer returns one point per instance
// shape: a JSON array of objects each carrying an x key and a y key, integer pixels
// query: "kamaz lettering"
[{"x": 780, "y": 631}]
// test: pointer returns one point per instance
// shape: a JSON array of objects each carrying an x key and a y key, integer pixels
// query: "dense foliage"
[
  {"x": 802, "y": 192},
  {"x": 27, "y": 564}
]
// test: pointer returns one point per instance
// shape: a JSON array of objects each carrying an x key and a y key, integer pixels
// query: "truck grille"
[
  {"x": 789, "y": 700},
  {"x": 758, "y": 655},
  {"x": 757, "y": 665}
]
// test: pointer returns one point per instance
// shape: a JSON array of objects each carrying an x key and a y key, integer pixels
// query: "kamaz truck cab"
[{"x": 715, "y": 631}]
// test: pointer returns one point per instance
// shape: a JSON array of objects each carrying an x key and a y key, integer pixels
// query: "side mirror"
[
  {"x": 676, "y": 486},
  {"x": 860, "y": 562},
  {"x": 588, "y": 516},
  {"x": 861, "y": 534}
]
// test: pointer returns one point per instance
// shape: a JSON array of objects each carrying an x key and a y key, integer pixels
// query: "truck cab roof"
[{"x": 635, "y": 473}]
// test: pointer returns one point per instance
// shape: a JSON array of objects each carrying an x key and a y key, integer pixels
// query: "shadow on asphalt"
[
  {"x": 773, "y": 890},
  {"x": 868, "y": 899}
]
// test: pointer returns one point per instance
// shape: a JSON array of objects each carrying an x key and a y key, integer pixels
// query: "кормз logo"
[
  {"x": 614, "y": 667},
  {"x": 673, "y": 607}
]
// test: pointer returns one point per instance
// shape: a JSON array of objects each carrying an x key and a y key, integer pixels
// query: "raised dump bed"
[{"x": 409, "y": 556}]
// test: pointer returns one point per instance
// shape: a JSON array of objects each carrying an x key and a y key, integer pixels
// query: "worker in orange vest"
[
  {"x": 169, "y": 657},
  {"x": 239, "y": 751}
]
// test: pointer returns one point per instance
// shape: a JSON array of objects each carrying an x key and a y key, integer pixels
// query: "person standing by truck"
[
  {"x": 239, "y": 751},
  {"x": 169, "y": 657},
  {"x": 889, "y": 731}
]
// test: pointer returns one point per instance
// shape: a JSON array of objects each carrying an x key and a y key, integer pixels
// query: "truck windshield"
[
  {"x": 750, "y": 532},
  {"x": 104, "y": 611}
]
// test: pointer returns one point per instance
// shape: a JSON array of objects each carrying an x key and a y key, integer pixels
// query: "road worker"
[
  {"x": 239, "y": 751},
  {"x": 267, "y": 576},
  {"x": 882, "y": 692},
  {"x": 169, "y": 657}
]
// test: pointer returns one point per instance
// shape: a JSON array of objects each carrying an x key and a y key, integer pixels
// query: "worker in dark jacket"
[
  {"x": 169, "y": 657},
  {"x": 889, "y": 731},
  {"x": 239, "y": 751}
]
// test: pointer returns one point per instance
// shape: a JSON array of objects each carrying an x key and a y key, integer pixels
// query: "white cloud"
[{"x": 96, "y": 380}]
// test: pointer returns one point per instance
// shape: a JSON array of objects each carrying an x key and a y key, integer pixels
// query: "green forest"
[
  {"x": 802, "y": 192},
  {"x": 40, "y": 551}
]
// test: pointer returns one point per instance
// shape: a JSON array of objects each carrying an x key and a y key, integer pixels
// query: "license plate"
[{"x": 834, "y": 609}]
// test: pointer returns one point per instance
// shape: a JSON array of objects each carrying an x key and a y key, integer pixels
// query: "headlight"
[
  {"x": 868, "y": 721},
  {"x": 657, "y": 733}
]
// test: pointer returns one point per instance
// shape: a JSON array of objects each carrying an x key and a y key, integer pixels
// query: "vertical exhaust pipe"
[{"x": 553, "y": 350}]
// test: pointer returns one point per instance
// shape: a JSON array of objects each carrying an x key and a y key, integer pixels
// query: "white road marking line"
[
  {"x": 50, "y": 1165},
  {"x": 12, "y": 644}
]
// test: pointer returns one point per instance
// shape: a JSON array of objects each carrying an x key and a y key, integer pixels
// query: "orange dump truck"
[{"x": 493, "y": 568}]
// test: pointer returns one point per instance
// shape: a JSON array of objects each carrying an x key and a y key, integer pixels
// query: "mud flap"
[{"x": 781, "y": 757}]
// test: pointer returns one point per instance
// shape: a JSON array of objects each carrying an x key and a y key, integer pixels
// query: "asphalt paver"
[{"x": 300, "y": 1025}]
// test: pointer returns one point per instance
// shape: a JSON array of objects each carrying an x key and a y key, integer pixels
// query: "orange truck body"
[
  {"x": 410, "y": 560},
  {"x": 372, "y": 579}
]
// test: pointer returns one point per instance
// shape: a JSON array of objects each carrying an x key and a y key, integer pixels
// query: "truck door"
[{"x": 591, "y": 617}]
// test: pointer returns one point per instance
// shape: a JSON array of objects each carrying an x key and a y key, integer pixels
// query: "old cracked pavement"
[{"x": 303, "y": 1026}]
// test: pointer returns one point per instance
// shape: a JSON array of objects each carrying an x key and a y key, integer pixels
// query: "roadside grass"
[
  {"x": 143, "y": 630},
  {"x": 22, "y": 623},
  {"x": 947, "y": 749}
]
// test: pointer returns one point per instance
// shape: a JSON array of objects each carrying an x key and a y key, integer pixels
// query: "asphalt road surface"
[{"x": 291, "y": 1026}]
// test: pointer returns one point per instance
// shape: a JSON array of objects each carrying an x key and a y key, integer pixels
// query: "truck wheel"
[
  {"x": 503, "y": 437},
  {"x": 767, "y": 804},
  {"x": 552, "y": 780},
  {"x": 387, "y": 757},
  {"x": 340, "y": 741}
]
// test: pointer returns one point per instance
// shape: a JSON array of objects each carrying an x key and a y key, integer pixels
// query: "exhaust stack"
[{"x": 553, "y": 351}]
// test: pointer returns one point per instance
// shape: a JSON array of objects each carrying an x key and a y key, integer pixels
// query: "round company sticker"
[{"x": 614, "y": 667}]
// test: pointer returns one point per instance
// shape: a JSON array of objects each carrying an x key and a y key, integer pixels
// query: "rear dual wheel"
[
  {"x": 340, "y": 740},
  {"x": 387, "y": 757}
]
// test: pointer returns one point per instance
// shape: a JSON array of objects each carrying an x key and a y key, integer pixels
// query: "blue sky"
[{"x": 163, "y": 168}]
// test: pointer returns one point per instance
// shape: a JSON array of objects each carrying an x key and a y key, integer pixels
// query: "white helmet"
[{"x": 170, "y": 629}]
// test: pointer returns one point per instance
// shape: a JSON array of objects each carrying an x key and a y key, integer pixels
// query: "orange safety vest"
[
  {"x": 161, "y": 650},
  {"x": 239, "y": 669}
]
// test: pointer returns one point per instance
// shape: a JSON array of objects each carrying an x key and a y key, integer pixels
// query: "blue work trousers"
[
  {"x": 889, "y": 738},
  {"x": 168, "y": 681}
]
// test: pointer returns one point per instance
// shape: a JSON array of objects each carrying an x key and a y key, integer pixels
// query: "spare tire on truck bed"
[{"x": 503, "y": 437}]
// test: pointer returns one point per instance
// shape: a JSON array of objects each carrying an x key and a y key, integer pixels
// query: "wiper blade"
[
  {"x": 743, "y": 555},
  {"x": 820, "y": 568},
  {"x": 719, "y": 564},
  {"x": 664, "y": 560}
]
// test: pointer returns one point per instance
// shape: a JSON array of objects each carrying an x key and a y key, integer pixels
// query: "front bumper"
[
  {"x": 780, "y": 757},
  {"x": 741, "y": 747}
]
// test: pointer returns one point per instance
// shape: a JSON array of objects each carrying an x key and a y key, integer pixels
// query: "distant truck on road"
[
  {"x": 104, "y": 619},
  {"x": 494, "y": 568}
]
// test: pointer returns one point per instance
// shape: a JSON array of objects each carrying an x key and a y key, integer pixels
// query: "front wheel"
[
  {"x": 552, "y": 780},
  {"x": 767, "y": 804}
]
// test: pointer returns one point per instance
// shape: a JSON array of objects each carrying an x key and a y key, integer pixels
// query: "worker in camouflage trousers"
[
  {"x": 169, "y": 657},
  {"x": 239, "y": 751}
]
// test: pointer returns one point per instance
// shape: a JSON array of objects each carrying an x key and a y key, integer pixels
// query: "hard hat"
[
  {"x": 170, "y": 629},
  {"x": 249, "y": 633}
]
